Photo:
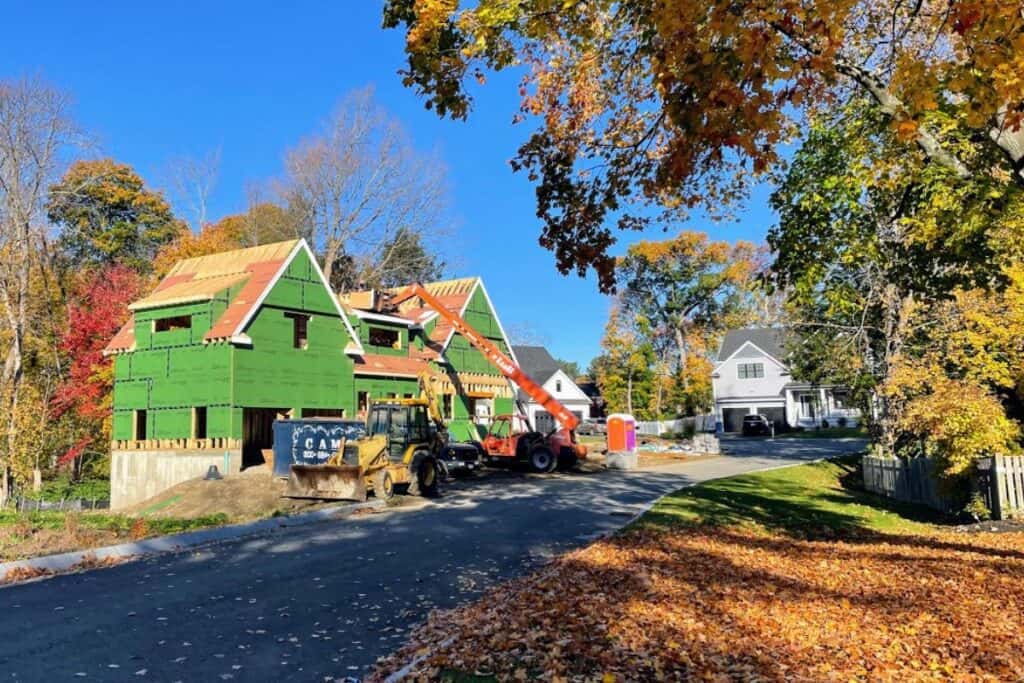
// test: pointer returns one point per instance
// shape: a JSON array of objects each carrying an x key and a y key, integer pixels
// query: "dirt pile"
[{"x": 253, "y": 494}]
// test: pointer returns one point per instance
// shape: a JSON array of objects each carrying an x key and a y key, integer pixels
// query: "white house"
[
  {"x": 751, "y": 377},
  {"x": 542, "y": 368}
]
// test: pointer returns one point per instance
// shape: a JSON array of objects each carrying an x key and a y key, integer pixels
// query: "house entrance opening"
[{"x": 258, "y": 433}]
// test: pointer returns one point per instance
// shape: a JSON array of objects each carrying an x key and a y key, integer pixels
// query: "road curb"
[{"x": 50, "y": 565}]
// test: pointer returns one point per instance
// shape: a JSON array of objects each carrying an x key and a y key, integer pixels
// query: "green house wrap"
[{"x": 227, "y": 343}]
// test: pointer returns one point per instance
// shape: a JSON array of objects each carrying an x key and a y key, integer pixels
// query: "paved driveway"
[{"x": 326, "y": 600}]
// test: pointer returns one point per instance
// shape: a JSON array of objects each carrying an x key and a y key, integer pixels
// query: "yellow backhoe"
[{"x": 406, "y": 444}]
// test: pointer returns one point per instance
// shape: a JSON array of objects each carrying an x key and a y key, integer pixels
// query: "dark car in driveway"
[{"x": 756, "y": 425}]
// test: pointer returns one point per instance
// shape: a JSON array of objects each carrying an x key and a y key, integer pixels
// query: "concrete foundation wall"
[{"x": 138, "y": 475}]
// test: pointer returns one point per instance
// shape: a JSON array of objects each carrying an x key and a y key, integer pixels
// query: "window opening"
[
  {"x": 176, "y": 322},
  {"x": 382, "y": 336},
  {"x": 199, "y": 422},
  {"x": 140, "y": 425},
  {"x": 300, "y": 329}
]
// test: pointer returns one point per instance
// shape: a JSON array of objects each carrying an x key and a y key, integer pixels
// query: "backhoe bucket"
[{"x": 327, "y": 482}]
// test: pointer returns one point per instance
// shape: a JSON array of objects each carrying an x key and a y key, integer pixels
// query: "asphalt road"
[{"x": 325, "y": 601}]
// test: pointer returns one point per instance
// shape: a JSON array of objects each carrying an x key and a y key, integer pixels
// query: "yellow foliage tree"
[
  {"x": 959, "y": 421},
  {"x": 224, "y": 235}
]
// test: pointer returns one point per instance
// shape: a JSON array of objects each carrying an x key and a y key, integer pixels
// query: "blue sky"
[{"x": 155, "y": 81}]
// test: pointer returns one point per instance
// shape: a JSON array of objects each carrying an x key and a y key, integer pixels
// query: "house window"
[
  {"x": 176, "y": 322},
  {"x": 407, "y": 395},
  {"x": 839, "y": 399},
  {"x": 751, "y": 370},
  {"x": 139, "y": 426},
  {"x": 382, "y": 336},
  {"x": 362, "y": 401},
  {"x": 558, "y": 386},
  {"x": 300, "y": 329},
  {"x": 446, "y": 406},
  {"x": 199, "y": 422}
]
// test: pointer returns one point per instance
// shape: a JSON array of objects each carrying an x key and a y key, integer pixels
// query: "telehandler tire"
[{"x": 542, "y": 459}]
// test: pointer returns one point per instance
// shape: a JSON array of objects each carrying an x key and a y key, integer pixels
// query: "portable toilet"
[{"x": 621, "y": 441}]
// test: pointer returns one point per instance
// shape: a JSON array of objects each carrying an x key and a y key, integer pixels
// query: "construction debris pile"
[{"x": 700, "y": 444}]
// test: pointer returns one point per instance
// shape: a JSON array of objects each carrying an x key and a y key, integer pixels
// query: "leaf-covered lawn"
[{"x": 783, "y": 575}]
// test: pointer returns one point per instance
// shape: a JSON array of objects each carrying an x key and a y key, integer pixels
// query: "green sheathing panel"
[
  {"x": 172, "y": 372},
  {"x": 272, "y": 373},
  {"x": 382, "y": 387},
  {"x": 167, "y": 382},
  {"x": 461, "y": 354},
  {"x": 202, "y": 314},
  {"x": 465, "y": 358}
]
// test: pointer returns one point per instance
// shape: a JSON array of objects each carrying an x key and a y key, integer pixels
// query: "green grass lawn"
[
  {"x": 31, "y": 534},
  {"x": 55, "y": 519},
  {"x": 805, "y": 500}
]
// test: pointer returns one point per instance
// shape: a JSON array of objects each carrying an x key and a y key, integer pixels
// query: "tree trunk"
[
  {"x": 629, "y": 393},
  {"x": 895, "y": 305},
  {"x": 683, "y": 349},
  {"x": 657, "y": 403}
]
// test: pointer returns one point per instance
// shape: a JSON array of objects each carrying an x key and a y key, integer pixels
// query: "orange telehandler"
[{"x": 511, "y": 438}]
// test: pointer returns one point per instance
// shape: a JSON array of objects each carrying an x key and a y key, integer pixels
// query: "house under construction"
[{"x": 227, "y": 343}]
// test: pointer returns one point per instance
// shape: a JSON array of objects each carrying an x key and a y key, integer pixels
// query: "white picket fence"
[{"x": 700, "y": 423}]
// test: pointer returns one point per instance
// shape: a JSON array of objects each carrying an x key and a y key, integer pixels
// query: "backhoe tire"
[
  {"x": 383, "y": 486},
  {"x": 542, "y": 460},
  {"x": 425, "y": 480}
]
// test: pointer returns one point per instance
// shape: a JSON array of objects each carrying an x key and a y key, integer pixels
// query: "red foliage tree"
[{"x": 97, "y": 307}]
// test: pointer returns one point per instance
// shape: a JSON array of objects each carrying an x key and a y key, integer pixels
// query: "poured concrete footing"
[{"x": 136, "y": 476}]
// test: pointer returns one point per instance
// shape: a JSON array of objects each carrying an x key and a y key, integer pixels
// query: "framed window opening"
[
  {"x": 300, "y": 329},
  {"x": 199, "y": 422},
  {"x": 385, "y": 337},
  {"x": 139, "y": 425},
  {"x": 171, "y": 323}
]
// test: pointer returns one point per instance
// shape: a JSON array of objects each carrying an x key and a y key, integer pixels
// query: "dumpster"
[{"x": 310, "y": 441}]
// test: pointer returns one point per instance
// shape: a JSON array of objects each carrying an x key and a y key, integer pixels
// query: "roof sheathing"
[{"x": 254, "y": 271}]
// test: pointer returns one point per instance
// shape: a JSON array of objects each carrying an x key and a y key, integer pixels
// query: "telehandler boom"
[{"x": 543, "y": 452}]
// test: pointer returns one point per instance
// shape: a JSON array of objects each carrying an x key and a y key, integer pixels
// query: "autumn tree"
[
  {"x": 35, "y": 130},
  {"x": 107, "y": 215},
  {"x": 265, "y": 222},
  {"x": 689, "y": 290},
  {"x": 679, "y": 104},
  {"x": 224, "y": 235},
  {"x": 363, "y": 189},
  {"x": 97, "y": 306},
  {"x": 569, "y": 367},
  {"x": 871, "y": 239},
  {"x": 623, "y": 370}
]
